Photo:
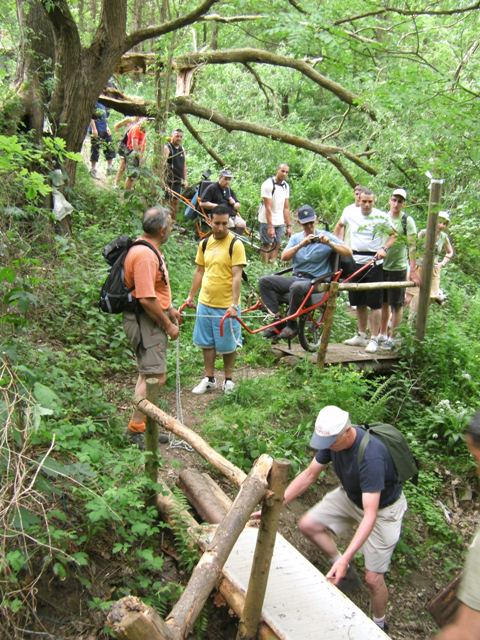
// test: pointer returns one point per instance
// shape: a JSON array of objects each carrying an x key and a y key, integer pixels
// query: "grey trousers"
[{"x": 274, "y": 288}]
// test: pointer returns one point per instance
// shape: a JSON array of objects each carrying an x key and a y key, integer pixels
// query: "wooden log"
[
  {"x": 151, "y": 440},
  {"x": 444, "y": 605},
  {"x": 218, "y": 492},
  {"x": 236, "y": 601},
  {"x": 327, "y": 324},
  {"x": 228, "y": 469},
  {"x": 262, "y": 558},
  {"x": 130, "y": 619},
  {"x": 428, "y": 260},
  {"x": 206, "y": 573},
  {"x": 199, "y": 493},
  {"x": 367, "y": 286}
]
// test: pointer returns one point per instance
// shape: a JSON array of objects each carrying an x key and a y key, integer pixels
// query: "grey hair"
[
  {"x": 154, "y": 219},
  {"x": 473, "y": 429}
]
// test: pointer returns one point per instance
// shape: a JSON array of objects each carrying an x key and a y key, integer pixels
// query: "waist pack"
[
  {"x": 115, "y": 296},
  {"x": 405, "y": 463}
]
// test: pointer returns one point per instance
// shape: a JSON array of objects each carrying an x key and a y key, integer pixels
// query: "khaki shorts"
[
  {"x": 339, "y": 514},
  {"x": 149, "y": 342}
]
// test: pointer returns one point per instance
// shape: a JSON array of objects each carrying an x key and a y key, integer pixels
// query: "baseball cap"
[
  {"x": 226, "y": 173},
  {"x": 400, "y": 192},
  {"x": 445, "y": 215},
  {"x": 306, "y": 214},
  {"x": 330, "y": 423}
]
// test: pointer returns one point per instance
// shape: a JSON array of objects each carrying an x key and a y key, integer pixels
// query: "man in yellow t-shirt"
[{"x": 220, "y": 260}]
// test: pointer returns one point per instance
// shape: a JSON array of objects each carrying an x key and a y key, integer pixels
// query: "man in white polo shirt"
[{"x": 274, "y": 213}]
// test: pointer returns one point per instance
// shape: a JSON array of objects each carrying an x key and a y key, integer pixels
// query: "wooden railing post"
[
  {"x": 427, "y": 265},
  {"x": 327, "y": 324},
  {"x": 151, "y": 440},
  {"x": 257, "y": 584}
]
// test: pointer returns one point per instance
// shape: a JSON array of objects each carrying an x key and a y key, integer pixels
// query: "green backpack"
[{"x": 405, "y": 463}]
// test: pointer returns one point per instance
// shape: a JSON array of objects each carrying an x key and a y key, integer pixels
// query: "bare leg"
[
  {"x": 209, "y": 362},
  {"x": 173, "y": 209},
  {"x": 397, "y": 315},
  {"x": 385, "y": 318},
  {"x": 141, "y": 391},
  {"x": 374, "y": 321},
  {"x": 228, "y": 363},
  {"x": 362, "y": 318},
  {"x": 120, "y": 172},
  {"x": 319, "y": 535},
  {"x": 378, "y": 592}
]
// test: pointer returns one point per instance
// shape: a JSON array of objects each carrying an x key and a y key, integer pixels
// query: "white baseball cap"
[
  {"x": 330, "y": 423},
  {"x": 400, "y": 192},
  {"x": 445, "y": 215}
]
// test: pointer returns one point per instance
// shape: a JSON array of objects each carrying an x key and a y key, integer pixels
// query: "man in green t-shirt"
[
  {"x": 467, "y": 621},
  {"x": 399, "y": 256}
]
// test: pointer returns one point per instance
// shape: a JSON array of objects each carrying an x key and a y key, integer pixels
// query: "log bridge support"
[{"x": 129, "y": 618}]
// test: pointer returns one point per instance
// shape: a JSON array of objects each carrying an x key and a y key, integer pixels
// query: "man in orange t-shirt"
[
  {"x": 148, "y": 332},
  {"x": 136, "y": 145}
]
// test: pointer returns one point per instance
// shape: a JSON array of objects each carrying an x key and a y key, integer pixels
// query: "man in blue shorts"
[
  {"x": 100, "y": 138},
  {"x": 220, "y": 260},
  {"x": 369, "y": 499},
  {"x": 310, "y": 252}
]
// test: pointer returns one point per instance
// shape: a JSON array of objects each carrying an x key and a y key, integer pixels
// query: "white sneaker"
[
  {"x": 358, "y": 340},
  {"x": 381, "y": 339},
  {"x": 203, "y": 386},
  {"x": 228, "y": 386},
  {"x": 372, "y": 346}
]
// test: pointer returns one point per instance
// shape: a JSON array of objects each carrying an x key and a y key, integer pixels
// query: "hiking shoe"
[
  {"x": 372, "y": 346},
  {"x": 269, "y": 333},
  {"x": 288, "y": 333},
  {"x": 228, "y": 386},
  {"x": 388, "y": 345},
  {"x": 138, "y": 438},
  {"x": 203, "y": 386},
  {"x": 350, "y": 582},
  {"x": 94, "y": 174},
  {"x": 381, "y": 339},
  {"x": 358, "y": 340}
]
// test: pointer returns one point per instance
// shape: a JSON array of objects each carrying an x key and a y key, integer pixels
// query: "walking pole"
[{"x": 427, "y": 267}]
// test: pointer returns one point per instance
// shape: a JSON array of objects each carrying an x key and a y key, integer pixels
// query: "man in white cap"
[
  {"x": 370, "y": 496},
  {"x": 400, "y": 255}
]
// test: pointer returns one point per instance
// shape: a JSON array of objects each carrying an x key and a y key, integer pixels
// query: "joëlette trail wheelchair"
[{"x": 310, "y": 313}]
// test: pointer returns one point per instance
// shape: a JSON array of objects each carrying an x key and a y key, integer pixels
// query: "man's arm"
[
  {"x": 465, "y": 627},
  {"x": 236, "y": 286},
  {"x": 287, "y": 217},
  {"x": 93, "y": 128},
  {"x": 339, "y": 568},
  {"x": 267, "y": 203},
  {"x": 304, "y": 480},
  {"x": 339, "y": 230},
  {"x": 196, "y": 284},
  {"x": 205, "y": 201},
  {"x": 166, "y": 151},
  {"x": 153, "y": 308}
]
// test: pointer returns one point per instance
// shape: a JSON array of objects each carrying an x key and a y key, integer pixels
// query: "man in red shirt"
[
  {"x": 148, "y": 331},
  {"x": 136, "y": 145}
]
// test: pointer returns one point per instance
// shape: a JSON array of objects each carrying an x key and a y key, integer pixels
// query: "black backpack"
[
  {"x": 115, "y": 296},
  {"x": 405, "y": 463}
]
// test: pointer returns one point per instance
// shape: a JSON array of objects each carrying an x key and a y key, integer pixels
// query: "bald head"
[
  {"x": 282, "y": 172},
  {"x": 156, "y": 219}
]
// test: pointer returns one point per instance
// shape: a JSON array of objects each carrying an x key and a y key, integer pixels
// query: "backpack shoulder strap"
[
  {"x": 230, "y": 248},
  {"x": 363, "y": 446},
  {"x": 145, "y": 243},
  {"x": 404, "y": 223},
  {"x": 204, "y": 243},
  {"x": 273, "y": 186}
]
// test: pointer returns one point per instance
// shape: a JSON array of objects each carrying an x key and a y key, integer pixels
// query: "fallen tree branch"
[
  {"x": 266, "y": 57},
  {"x": 215, "y": 17},
  {"x": 201, "y": 141},
  {"x": 183, "y": 105}
]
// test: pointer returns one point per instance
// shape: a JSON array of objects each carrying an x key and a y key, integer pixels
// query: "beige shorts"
[
  {"x": 339, "y": 514},
  {"x": 149, "y": 342}
]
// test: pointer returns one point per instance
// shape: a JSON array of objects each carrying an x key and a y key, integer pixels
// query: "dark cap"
[
  {"x": 306, "y": 214},
  {"x": 226, "y": 173}
]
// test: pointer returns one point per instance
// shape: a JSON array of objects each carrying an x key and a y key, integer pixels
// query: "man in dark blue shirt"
[
  {"x": 369, "y": 496},
  {"x": 100, "y": 138}
]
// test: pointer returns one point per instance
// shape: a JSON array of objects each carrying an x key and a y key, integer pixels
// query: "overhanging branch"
[
  {"x": 154, "y": 32},
  {"x": 182, "y": 105},
  {"x": 265, "y": 57}
]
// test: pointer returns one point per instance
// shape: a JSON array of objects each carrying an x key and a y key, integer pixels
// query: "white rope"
[{"x": 174, "y": 443}]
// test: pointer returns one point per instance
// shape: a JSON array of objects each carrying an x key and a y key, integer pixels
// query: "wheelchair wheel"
[{"x": 310, "y": 328}]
